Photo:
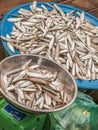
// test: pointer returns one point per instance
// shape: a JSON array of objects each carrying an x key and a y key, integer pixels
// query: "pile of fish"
[
  {"x": 35, "y": 87},
  {"x": 71, "y": 40}
]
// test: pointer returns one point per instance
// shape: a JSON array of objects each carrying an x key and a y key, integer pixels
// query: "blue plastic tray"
[{"x": 6, "y": 28}]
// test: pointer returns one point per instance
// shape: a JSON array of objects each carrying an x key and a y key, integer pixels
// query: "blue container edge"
[{"x": 93, "y": 84}]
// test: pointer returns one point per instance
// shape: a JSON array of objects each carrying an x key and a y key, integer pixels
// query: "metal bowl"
[{"x": 64, "y": 76}]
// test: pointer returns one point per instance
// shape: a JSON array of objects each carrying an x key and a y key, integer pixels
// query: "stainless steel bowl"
[{"x": 16, "y": 61}]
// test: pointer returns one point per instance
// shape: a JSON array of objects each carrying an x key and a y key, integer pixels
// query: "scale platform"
[{"x": 13, "y": 119}]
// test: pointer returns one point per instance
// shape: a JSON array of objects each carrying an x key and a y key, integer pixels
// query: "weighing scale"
[{"x": 12, "y": 118}]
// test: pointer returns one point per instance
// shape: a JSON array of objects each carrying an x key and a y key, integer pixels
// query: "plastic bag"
[{"x": 81, "y": 115}]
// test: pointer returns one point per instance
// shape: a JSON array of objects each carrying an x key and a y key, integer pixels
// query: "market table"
[{"x": 90, "y": 6}]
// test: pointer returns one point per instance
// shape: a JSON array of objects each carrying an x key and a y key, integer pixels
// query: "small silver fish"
[{"x": 14, "y": 19}]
